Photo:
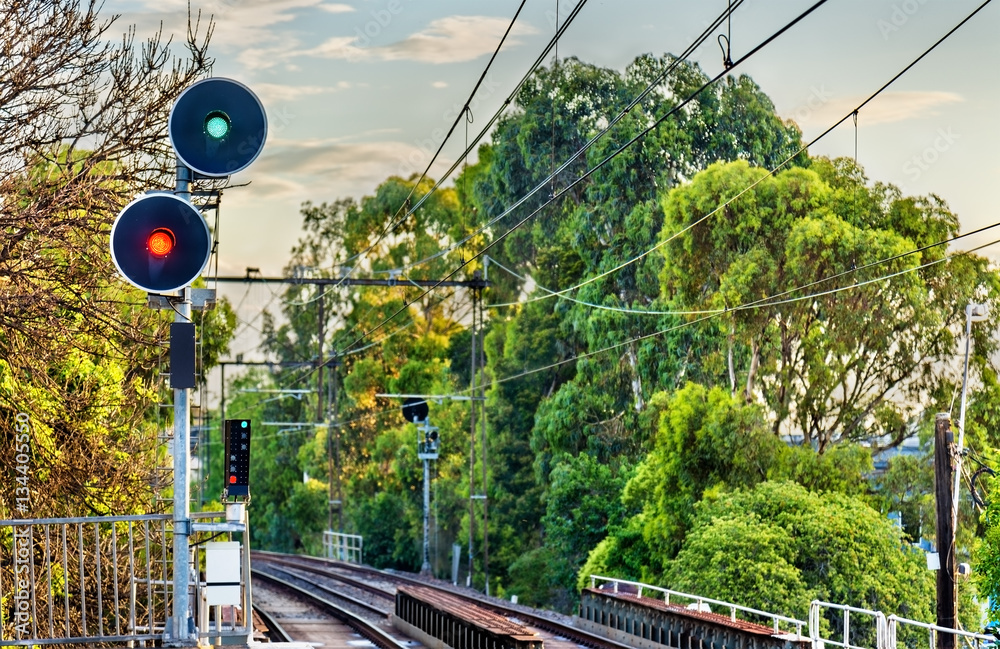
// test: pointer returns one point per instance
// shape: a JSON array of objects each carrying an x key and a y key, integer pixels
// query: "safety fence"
[
  {"x": 76, "y": 580},
  {"x": 343, "y": 547},
  {"x": 829, "y": 624},
  {"x": 699, "y": 603}
]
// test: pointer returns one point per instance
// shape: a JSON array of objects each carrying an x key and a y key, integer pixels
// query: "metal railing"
[
  {"x": 345, "y": 547},
  {"x": 881, "y": 628},
  {"x": 877, "y": 632},
  {"x": 698, "y": 601},
  {"x": 75, "y": 580},
  {"x": 974, "y": 640}
]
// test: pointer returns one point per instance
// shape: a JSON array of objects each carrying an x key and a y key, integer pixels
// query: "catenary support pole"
[
  {"x": 946, "y": 603},
  {"x": 482, "y": 451},
  {"x": 472, "y": 440},
  {"x": 425, "y": 568}
]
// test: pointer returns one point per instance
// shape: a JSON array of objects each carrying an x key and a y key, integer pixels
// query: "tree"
[
  {"x": 828, "y": 364},
  {"x": 82, "y": 131},
  {"x": 777, "y": 546},
  {"x": 594, "y": 406},
  {"x": 379, "y": 470}
]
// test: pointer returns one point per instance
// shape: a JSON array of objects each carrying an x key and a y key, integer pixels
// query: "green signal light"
[
  {"x": 217, "y": 125},
  {"x": 243, "y": 424}
]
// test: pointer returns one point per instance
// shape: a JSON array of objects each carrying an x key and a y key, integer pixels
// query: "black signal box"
[{"x": 237, "y": 473}]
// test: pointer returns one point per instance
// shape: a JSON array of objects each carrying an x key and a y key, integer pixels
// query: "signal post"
[{"x": 160, "y": 243}]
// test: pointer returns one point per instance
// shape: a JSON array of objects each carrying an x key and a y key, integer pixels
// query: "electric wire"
[
  {"x": 551, "y": 293},
  {"x": 852, "y": 113},
  {"x": 673, "y": 65},
  {"x": 601, "y": 164},
  {"x": 621, "y": 115},
  {"x": 393, "y": 223},
  {"x": 727, "y": 14},
  {"x": 715, "y": 315},
  {"x": 538, "y": 61},
  {"x": 553, "y": 42}
]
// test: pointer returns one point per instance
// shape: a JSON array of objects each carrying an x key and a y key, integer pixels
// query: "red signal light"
[
  {"x": 160, "y": 242},
  {"x": 232, "y": 479}
]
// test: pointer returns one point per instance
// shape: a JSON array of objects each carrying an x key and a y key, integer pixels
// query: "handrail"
[
  {"x": 934, "y": 629},
  {"x": 774, "y": 617},
  {"x": 882, "y": 637}
]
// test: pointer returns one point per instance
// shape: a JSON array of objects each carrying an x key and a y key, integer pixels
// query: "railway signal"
[
  {"x": 217, "y": 127},
  {"x": 237, "y": 473},
  {"x": 160, "y": 243}
]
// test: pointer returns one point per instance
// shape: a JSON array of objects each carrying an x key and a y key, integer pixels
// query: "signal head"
[
  {"x": 217, "y": 127},
  {"x": 160, "y": 243}
]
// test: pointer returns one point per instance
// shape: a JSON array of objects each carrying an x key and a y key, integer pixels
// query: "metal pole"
[
  {"x": 182, "y": 506},
  {"x": 329, "y": 470},
  {"x": 335, "y": 381},
  {"x": 472, "y": 440},
  {"x": 482, "y": 452},
  {"x": 320, "y": 410},
  {"x": 945, "y": 532},
  {"x": 961, "y": 418},
  {"x": 425, "y": 569}
]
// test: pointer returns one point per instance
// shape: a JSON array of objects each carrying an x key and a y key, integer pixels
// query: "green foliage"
[
  {"x": 824, "y": 366},
  {"x": 777, "y": 546},
  {"x": 707, "y": 440},
  {"x": 582, "y": 503},
  {"x": 609, "y": 431},
  {"x": 987, "y": 560}
]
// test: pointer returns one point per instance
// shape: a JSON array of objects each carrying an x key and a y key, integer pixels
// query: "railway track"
[
  {"x": 275, "y": 632},
  {"x": 556, "y": 629},
  {"x": 305, "y": 615}
]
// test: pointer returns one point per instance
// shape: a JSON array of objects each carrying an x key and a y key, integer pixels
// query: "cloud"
[
  {"x": 452, "y": 39},
  {"x": 887, "y": 108},
  {"x": 250, "y": 28},
  {"x": 271, "y": 93},
  {"x": 337, "y": 8},
  {"x": 289, "y": 170}
]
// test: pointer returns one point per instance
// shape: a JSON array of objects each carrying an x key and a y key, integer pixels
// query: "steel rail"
[
  {"x": 371, "y": 632},
  {"x": 361, "y": 585},
  {"x": 371, "y": 608},
  {"x": 321, "y": 566},
  {"x": 275, "y": 631}
]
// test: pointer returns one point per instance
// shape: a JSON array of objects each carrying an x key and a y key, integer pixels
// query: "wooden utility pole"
[{"x": 946, "y": 603}]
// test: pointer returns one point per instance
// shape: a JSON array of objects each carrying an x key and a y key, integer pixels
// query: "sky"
[{"x": 359, "y": 90}]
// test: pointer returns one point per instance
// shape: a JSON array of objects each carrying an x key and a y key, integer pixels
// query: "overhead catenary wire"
[
  {"x": 464, "y": 113},
  {"x": 852, "y": 114},
  {"x": 674, "y": 63},
  {"x": 621, "y": 115},
  {"x": 705, "y": 318},
  {"x": 614, "y": 121},
  {"x": 605, "y": 161},
  {"x": 855, "y": 269},
  {"x": 396, "y": 220}
]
